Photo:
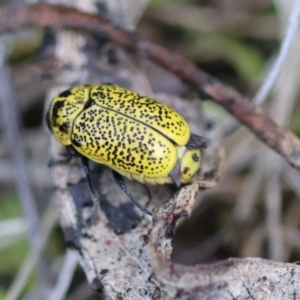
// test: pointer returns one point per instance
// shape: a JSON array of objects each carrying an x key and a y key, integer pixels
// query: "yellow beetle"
[{"x": 134, "y": 135}]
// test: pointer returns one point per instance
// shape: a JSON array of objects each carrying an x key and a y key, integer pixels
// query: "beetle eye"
[{"x": 195, "y": 157}]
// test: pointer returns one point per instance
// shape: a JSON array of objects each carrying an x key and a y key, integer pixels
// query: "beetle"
[{"x": 136, "y": 136}]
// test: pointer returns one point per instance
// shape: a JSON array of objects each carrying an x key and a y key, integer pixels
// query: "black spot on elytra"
[
  {"x": 64, "y": 94},
  {"x": 64, "y": 127},
  {"x": 56, "y": 107},
  {"x": 89, "y": 103},
  {"x": 76, "y": 143}
]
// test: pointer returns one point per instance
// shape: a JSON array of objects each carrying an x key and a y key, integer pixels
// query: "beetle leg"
[
  {"x": 175, "y": 174},
  {"x": 87, "y": 171},
  {"x": 120, "y": 181},
  {"x": 196, "y": 142},
  {"x": 94, "y": 192}
]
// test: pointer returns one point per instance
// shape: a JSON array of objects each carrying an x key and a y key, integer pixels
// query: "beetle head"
[{"x": 63, "y": 111}]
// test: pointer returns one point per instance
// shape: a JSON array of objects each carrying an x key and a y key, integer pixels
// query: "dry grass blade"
[
  {"x": 10, "y": 122},
  {"x": 47, "y": 224},
  {"x": 274, "y": 203},
  {"x": 278, "y": 65},
  {"x": 65, "y": 276},
  {"x": 289, "y": 38},
  {"x": 246, "y": 199}
]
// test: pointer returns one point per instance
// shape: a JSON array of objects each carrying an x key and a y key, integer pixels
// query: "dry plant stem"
[
  {"x": 5, "y": 243},
  {"x": 10, "y": 122},
  {"x": 291, "y": 221},
  {"x": 269, "y": 81},
  {"x": 285, "y": 95},
  {"x": 247, "y": 197},
  {"x": 292, "y": 236},
  {"x": 252, "y": 246},
  {"x": 11, "y": 227},
  {"x": 64, "y": 279},
  {"x": 38, "y": 177},
  {"x": 11, "y": 231},
  {"x": 289, "y": 37},
  {"x": 248, "y": 278},
  {"x": 47, "y": 223},
  {"x": 81, "y": 292},
  {"x": 239, "y": 155},
  {"x": 292, "y": 178},
  {"x": 286, "y": 89},
  {"x": 273, "y": 211},
  {"x": 278, "y": 138}
]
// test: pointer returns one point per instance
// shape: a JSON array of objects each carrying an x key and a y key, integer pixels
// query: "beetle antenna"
[{"x": 120, "y": 181}]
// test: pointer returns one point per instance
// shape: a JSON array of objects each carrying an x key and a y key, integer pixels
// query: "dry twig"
[
  {"x": 11, "y": 123},
  {"x": 47, "y": 224}
]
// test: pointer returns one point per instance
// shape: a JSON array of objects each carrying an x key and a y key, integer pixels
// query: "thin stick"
[
  {"x": 45, "y": 228},
  {"x": 65, "y": 277},
  {"x": 273, "y": 211},
  {"x": 289, "y": 37},
  {"x": 270, "y": 79},
  {"x": 248, "y": 195},
  {"x": 10, "y": 122}
]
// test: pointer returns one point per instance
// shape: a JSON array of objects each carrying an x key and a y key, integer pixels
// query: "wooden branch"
[
  {"x": 235, "y": 278},
  {"x": 276, "y": 137}
]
